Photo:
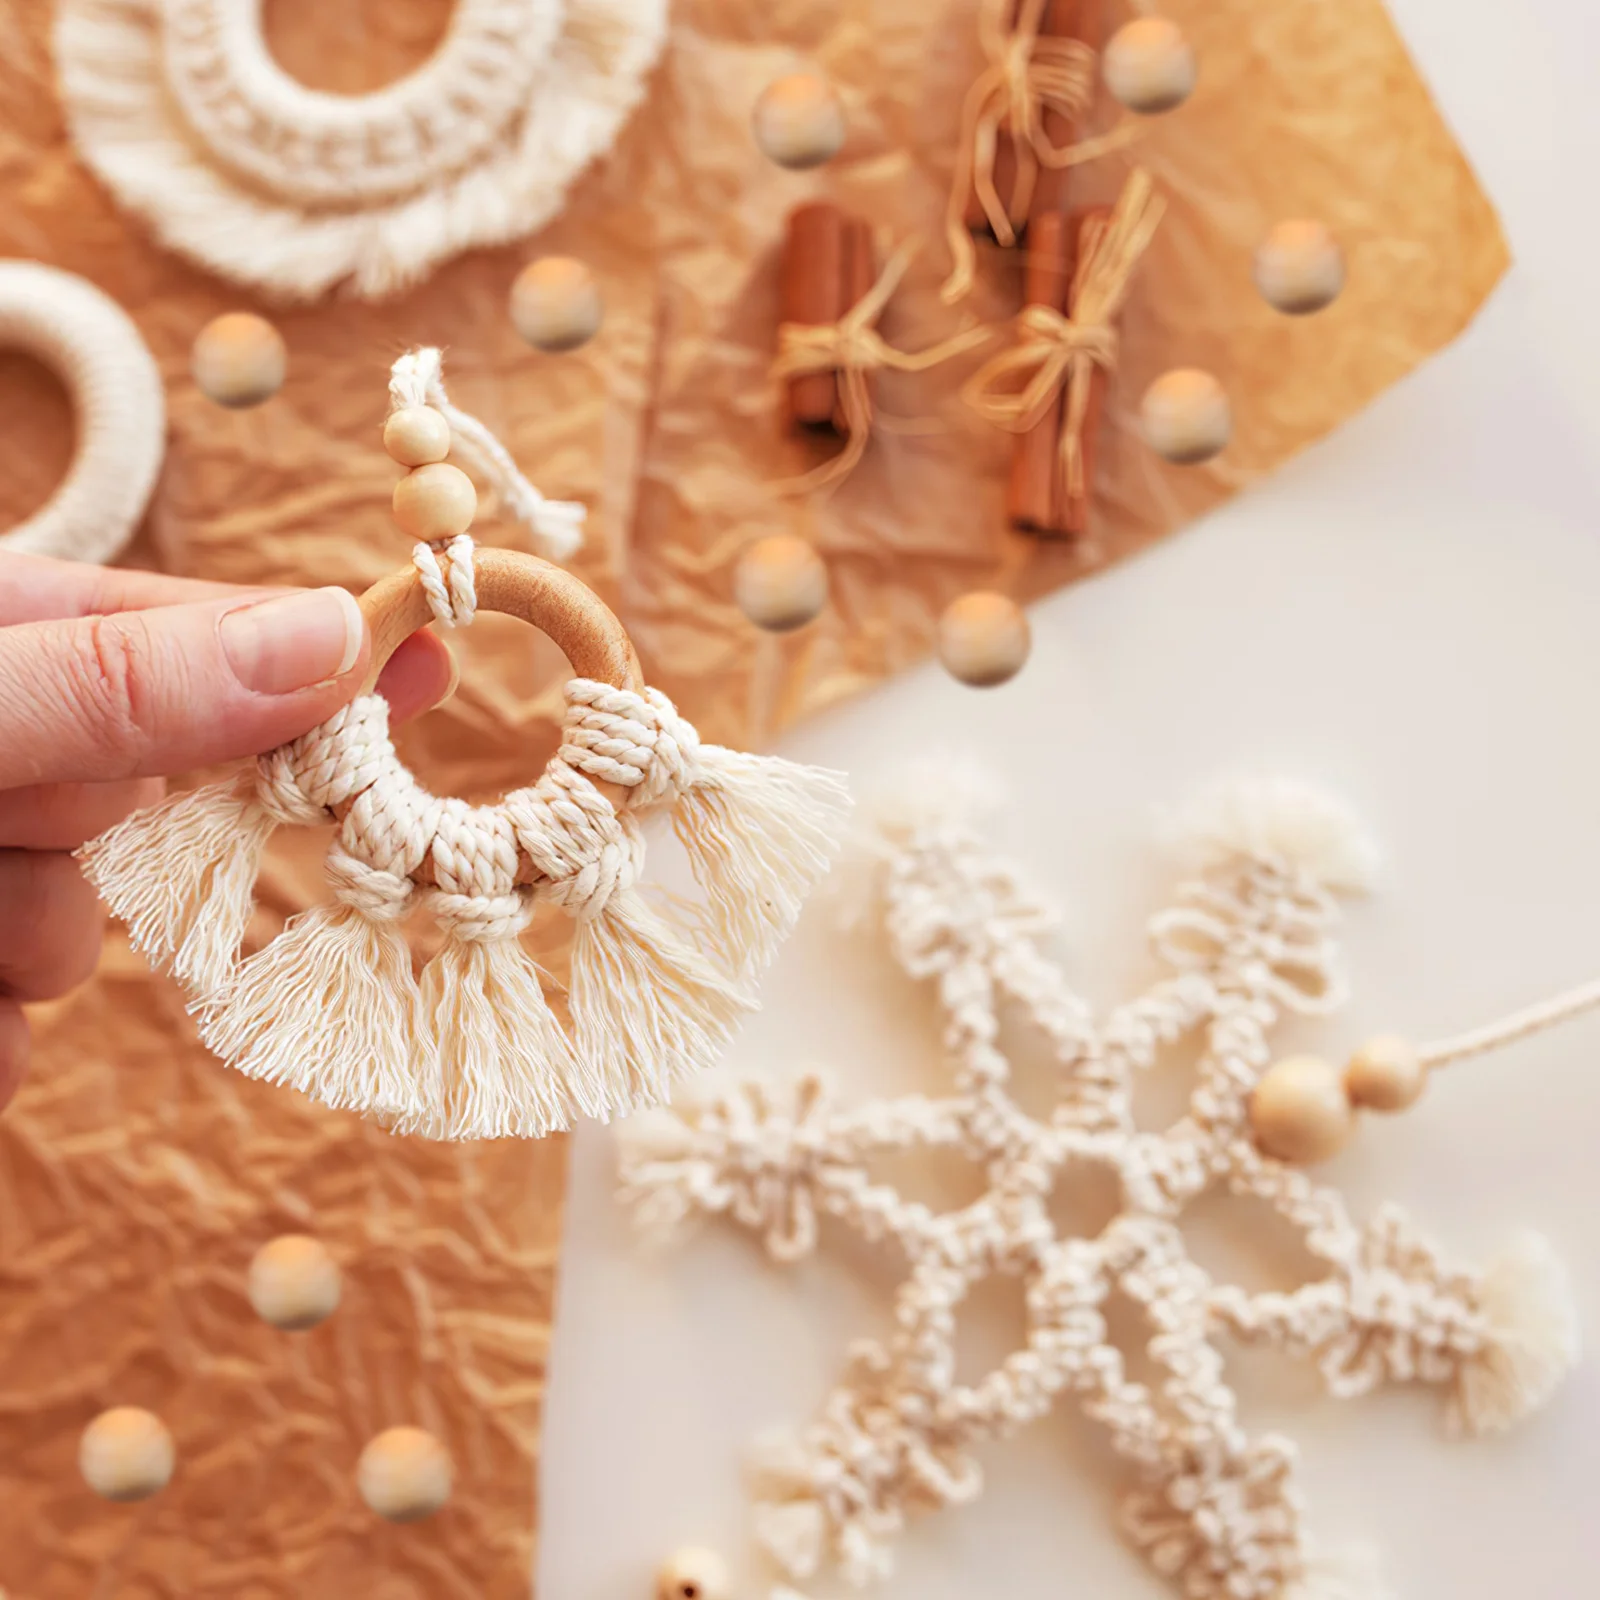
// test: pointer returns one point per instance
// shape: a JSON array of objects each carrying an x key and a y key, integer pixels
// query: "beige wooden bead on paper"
[
  {"x": 983, "y": 639},
  {"x": 435, "y": 502},
  {"x": 126, "y": 1454},
  {"x": 1385, "y": 1074},
  {"x": 798, "y": 121},
  {"x": 1149, "y": 66},
  {"x": 239, "y": 360},
  {"x": 693, "y": 1573},
  {"x": 1299, "y": 267},
  {"x": 1300, "y": 1112},
  {"x": 416, "y": 436},
  {"x": 555, "y": 304},
  {"x": 780, "y": 582},
  {"x": 294, "y": 1282},
  {"x": 1186, "y": 417},
  {"x": 404, "y": 1474}
]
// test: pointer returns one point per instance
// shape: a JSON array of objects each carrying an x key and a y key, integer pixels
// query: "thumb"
[{"x": 142, "y": 693}]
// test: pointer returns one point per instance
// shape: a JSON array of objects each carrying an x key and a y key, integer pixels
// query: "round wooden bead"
[
  {"x": 555, "y": 304},
  {"x": 404, "y": 1474},
  {"x": 417, "y": 436},
  {"x": 1299, "y": 267},
  {"x": 1299, "y": 1111},
  {"x": 239, "y": 360},
  {"x": 1385, "y": 1074},
  {"x": 798, "y": 121},
  {"x": 1186, "y": 416},
  {"x": 693, "y": 1574},
  {"x": 294, "y": 1283},
  {"x": 435, "y": 502},
  {"x": 1149, "y": 66},
  {"x": 983, "y": 639},
  {"x": 126, "y": 1454},
  {"x": 780, "y": 583}
]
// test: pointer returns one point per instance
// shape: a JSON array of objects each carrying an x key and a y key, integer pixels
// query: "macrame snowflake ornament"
[{"x": 1248, "y": 941}]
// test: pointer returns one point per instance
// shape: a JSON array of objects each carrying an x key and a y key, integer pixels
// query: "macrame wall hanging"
[
  {"x": 183, "y": 114},
  {"x": 92, "y": 345},
  {"x": 332, "y": 1008},
  {"x": 1248, "y": 942}
]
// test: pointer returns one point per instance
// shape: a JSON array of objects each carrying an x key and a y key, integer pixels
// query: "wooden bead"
[
  {"x": 780, "y": 583},
  {"x": 693, "y": 1574},
  {"x": 417, "y": 436},
  {"x": 294, "y": 1283},
  {"x": 1186, "y": 416},
  {"x": 1299, "y": 267},
  {"x": 435, "y": 502},
  {"x": 1300, "y": 1112},
  {"x": 1385, "y": 1074},
  {"x": 798, "y": 121},
  {"x": 239, "y": 360},
  {"x": 126, "y": 1454},
  {"x": 404, "y": 1474},
  {"x": 983, "y": 639},
  {"x": 1149, "y": 66},
  {"x": 555, "y": 304}
]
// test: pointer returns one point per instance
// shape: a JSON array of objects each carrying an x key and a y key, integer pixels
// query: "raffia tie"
[
  {"x": 853, "y": 348},
  {"x": 1027, "y": 75},
  {"x": 1055, "y": 353}
]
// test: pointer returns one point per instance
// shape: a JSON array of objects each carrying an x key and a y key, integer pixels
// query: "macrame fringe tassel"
[
  {"x": 182, "y": 877},
  {"x": 647, "y": 1010},
  {"x": 1526, "y": 1299},
  {"x": 502, "y": 1067},
  {"x": 330, "y": 1008},
  {"x": 760, "y": 833}
]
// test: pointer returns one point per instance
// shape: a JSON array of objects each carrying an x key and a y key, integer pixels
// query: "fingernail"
[{"x": 293, "y": 641}]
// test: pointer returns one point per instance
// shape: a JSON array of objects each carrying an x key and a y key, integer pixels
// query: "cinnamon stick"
[
  {"x": 1063, "y": 19},
  {"x": 1031, "y": 500},
  {"x": 1073, "y": 511},
  {"x": 812, "y": 295},
  {"x": 860, "y": 272}
]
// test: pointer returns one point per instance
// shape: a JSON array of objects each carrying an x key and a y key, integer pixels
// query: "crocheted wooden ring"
[
  {"x": 92, "y": 345},
  {"x": 332, "y": 1006}
]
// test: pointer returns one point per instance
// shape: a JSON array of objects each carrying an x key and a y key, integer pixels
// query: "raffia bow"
[
  {"x": 1028, "y": 74},
  {"x": 853, "y": 348},
  {"x": 1055, "y": 353}
]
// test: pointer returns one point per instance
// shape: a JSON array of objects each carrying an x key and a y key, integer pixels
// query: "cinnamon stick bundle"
[
  {"x": 1072, "y": 510},
  {"x": 860, "y": 272},
  {"x": 812, "y": 292},
  {"x": 1033, "y": 496},
  {"x": 1083, "y": 20}
]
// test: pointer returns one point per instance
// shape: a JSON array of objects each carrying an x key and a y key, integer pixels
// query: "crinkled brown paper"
[{"x": 136, "y": 1176}]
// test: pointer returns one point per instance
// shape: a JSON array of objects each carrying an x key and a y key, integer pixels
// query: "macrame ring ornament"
[
  {"x": 179, "y": 108},
  {"x": 332, "y": 1007},
  {"x": 92, "y": 345}
]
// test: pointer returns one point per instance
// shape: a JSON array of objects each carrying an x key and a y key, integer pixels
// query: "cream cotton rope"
[
  {"x": 1247, "y": 945},
  {"x": 92, "y": 345}
]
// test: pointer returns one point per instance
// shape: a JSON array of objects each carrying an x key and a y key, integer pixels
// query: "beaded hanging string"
[{"x": 332, "y": 1006}]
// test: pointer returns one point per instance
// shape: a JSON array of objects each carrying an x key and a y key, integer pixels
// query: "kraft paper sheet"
[{"x": 137, "y": 1176}]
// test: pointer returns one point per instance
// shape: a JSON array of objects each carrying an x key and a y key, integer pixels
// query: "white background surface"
[{"x": 1409, "y": 614}]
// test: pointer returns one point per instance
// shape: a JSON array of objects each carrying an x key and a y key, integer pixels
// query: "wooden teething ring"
[{"x": 545, "y": 596}]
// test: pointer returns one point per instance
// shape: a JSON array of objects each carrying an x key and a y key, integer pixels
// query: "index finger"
[{"x": 40, "y": 589}]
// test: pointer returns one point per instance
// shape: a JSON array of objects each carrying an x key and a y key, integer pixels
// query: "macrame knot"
[
  {"x": 637, "y": 741},
  {"x": 336, "y": 761},
  {"x": 378, "y": 895},
  {"x": 452, "y": 591},
  {"x": 607, "y": 873},
  {"x": 481, "y": 918}
]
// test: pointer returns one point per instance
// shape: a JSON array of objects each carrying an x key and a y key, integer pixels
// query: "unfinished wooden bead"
[
  {"x": 294, "y": 1282},
  {"x": 435, "y": 502},
  {"x": 417, "y": 436},
  {"x": 1299, "y": 267},
  {"x": 1186, "y": 416},
  {"x": 693, "y": 1574},
  {"x": 983, "y": 639},
  {"x": 1385, "y": 1074},
  {"x": 239, "y": 360},
  {"x": 404, "y": 1474},
  {"x": 780, "y": 583},
  {"x": 798, "y": 121},
  {"x": 555, "y": 304},
  {"x": 1300, "y": 1111},
  {"x": 1149, "y": 66},
  {"x": 126, "y": 1454}
]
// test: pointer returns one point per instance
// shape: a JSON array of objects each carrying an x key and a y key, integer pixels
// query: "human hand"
[{"x": 111, "y": 680}]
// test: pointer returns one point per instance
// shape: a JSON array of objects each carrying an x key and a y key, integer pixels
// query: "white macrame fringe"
[
  {"x": 556, "y": 526},
  {"x": 1533, "y": 1338}
]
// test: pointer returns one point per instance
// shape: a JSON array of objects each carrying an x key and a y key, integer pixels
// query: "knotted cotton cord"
[
  {"x": 1519, "y": 1025},
  {"x": 453, "y": 599}
]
